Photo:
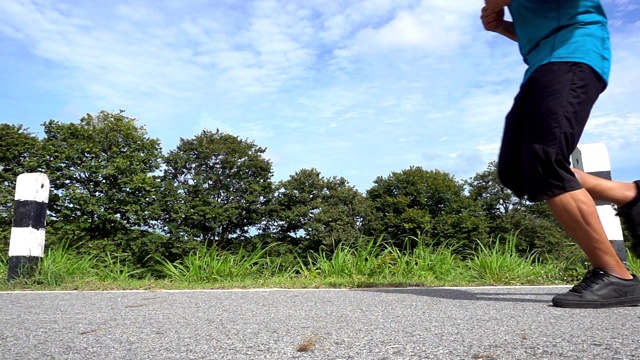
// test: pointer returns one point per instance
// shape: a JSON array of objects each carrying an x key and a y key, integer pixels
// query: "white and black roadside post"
[
  {"x": 594, "y": 159},
  {"x": 26, "y": 245}
]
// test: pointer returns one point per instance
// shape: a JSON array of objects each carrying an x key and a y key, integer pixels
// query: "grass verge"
[{"x": 370, "y": 263}]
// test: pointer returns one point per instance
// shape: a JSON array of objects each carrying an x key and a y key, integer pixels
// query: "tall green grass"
[
  {"x": 4, "y": 263},
  {"x": 440, "y": 264},
  {"x": 367, "y": 263},
  {"x": 500, "y": 264},
  {"x": 373, "y": 261},
  {"x": 116, "y": 267},
  {"x": 214, "y": 265},
  {"x": 633, "y": 263},
  {"x": 63, "y": 265},
  {"x": 345, "y": 261}
]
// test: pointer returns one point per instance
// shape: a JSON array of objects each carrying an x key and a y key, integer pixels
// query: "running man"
[{"x": 565, "y": 44}]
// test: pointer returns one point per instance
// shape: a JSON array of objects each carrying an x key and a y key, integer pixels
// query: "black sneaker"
[
  {"x": 600, "y": 290},
  {"x": 630, "y": 213}
]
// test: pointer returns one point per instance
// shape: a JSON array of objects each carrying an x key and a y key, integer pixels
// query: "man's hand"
[
  {"x": 492, "y": 17},
  {"x": 491, "y": 20}
]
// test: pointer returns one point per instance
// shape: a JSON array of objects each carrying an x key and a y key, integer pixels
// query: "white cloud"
[
  {"x": 358, "y": 88},
  {"x": 430, "y": 27},
  {"x": 614, "y": 130}
]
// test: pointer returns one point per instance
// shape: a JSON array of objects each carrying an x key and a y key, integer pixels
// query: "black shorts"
[{"x": 543, "y": 128}]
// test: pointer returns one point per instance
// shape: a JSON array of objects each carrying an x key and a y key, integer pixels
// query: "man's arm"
[
  {"x": 494, "y": 20},
  {"x": 507, "y": 30}
]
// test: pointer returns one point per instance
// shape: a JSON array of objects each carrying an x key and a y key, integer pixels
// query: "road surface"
[{"x": 412, "y": 323}]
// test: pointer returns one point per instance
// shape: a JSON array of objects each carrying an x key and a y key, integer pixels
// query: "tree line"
[{"x": 114, "y": 190}]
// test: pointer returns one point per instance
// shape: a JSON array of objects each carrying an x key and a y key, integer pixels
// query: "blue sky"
[{"x": 356, "y": 89}]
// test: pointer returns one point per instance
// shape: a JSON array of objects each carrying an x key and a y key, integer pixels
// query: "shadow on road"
[{"x": 457, "y": 294}]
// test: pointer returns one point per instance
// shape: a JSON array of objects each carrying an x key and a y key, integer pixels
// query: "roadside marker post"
[
  {"x": 594, "y": 159},
  {"x": 26, "y": 244}
]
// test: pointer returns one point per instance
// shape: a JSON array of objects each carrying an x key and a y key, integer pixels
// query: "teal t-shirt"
[{"x": 562, "y": 30}]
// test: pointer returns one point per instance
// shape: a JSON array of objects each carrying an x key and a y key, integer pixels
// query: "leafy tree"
[
  {"x": 538, "y": 230},
  {"x": 215, "y": 188},
  {"x": 494, "y": 198},
  {"x": 536, "y": 226},
  {"x": 429, "y": 203},
  {"x": 17, "y": 149},
  {"x": 144, "y": 247},
  {"x": 101, "y": 171},
  {"x": 312, "y": 211}
]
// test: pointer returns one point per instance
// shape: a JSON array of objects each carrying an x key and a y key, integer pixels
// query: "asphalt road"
[{"x": 414, "y": 323}]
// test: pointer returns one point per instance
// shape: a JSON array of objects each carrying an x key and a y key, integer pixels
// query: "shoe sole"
[{"x": 581, "y": 304}]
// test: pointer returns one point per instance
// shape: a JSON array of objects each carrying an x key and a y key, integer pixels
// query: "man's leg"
[
  {"x": 563, "y": 95},
  {"x": 625, "y": 195},
  {"x": 616, "y": 192},
  {"x": 576, "y": 212},
  {"x": 608, "y": 284}
]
